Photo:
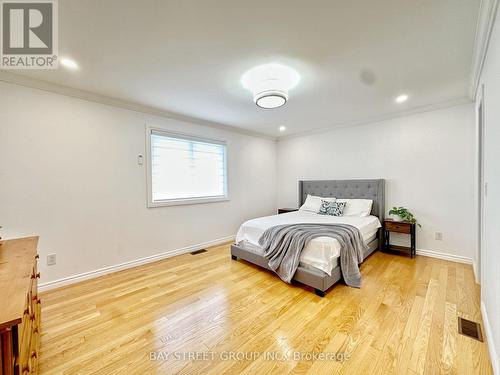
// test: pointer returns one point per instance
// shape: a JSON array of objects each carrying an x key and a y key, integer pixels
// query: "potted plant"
[{"x": 402, "y": 214}]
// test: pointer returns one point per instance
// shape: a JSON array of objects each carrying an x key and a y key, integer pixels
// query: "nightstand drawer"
[{"x": 398, "y": 227}]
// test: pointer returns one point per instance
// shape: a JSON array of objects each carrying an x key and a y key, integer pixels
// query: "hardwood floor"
[{"x": 199, "y": 314}]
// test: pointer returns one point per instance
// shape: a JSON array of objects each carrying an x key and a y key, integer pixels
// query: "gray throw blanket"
[{"x": 283, "y": 245}]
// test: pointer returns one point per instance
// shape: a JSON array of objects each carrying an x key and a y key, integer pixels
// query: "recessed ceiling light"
[
  {"x": 68, "y": 63},
  {"x": 282, "y": 128},
  {"x": 270, "y": 84},
  {"x": 401, "y": 98}
]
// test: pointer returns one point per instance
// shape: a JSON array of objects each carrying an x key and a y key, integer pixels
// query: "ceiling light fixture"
[
  {"x": 282, "y": 128},
  {"x": 402, "y": 98},
  {"x": 68, "y": 63},
  {"x": 270, "y": 84}
]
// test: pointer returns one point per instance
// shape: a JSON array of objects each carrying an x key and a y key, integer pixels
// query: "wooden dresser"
[{"x": 20, "y": 306}]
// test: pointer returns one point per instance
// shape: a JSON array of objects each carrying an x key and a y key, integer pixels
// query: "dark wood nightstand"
[
  {"x": 285, "y": 210},
  {"x": 405, "y": 227}
]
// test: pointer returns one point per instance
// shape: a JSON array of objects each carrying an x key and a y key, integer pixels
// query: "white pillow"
[
  {"x": 313, "y": 203},
  {"x": 357, "y": 207}
]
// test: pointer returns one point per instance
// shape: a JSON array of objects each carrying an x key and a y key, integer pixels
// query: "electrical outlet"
[
  {"x": 51, "y": 259},
  {"x": 439, "y": 236}
]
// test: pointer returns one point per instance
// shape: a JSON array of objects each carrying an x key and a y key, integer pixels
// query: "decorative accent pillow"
[
  {"x": 313, "y": 203},
  {"x": 356, "y": 207},
  {"x": 323, "y": 209},
  {"x": 332, "y": 208}
]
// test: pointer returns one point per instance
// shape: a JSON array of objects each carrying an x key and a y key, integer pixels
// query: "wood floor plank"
[
  {"x": 168, "y": 317},
  {"x": 433, "y": 363},
  {"x": 449, "y": 349}
]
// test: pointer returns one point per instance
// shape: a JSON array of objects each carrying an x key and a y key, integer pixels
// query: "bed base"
[{"x": 314, "y": 278}]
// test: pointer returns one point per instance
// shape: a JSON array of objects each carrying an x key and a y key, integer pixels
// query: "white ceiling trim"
[
  {"x": 386, "y": 117},
  {"x": 102, "y": 99},
  {"x": 485, "y": 22}
]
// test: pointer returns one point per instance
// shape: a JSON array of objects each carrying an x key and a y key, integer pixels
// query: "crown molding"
[
  {"x": 106, "y": 100},
  {"x": 384, "y": 117},
  {"x": 484, "y": 27}
]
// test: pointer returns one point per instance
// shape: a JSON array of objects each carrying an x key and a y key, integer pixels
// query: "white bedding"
[{"x": 322, "y": 252}]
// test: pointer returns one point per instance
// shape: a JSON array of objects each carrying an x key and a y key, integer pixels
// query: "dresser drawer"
[
  {"x": 33, "y": 296},
  {"x": 24, "y": 325},
  {"x": 28, "y": 352},
  {"x": 25, "y": 342},
  {"x": 24, "y": 328},
  {"x": 398, "y": 227},
  {"x": 28, "y": 339},
  {"x": 33, "y": 360}
]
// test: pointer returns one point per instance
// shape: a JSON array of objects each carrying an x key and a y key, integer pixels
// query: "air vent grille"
[
  {"x": 198, "y": 252},
  {"x": 470, "y": 329}
]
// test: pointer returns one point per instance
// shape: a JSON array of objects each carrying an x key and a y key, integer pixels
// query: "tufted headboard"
[{"x": 347, "y": 189}]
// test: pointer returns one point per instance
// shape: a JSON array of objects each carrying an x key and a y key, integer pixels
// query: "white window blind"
[{"x": 186, "y": 169}]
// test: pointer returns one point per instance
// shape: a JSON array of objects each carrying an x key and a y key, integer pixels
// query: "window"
[{"x": 185, "y": 169}]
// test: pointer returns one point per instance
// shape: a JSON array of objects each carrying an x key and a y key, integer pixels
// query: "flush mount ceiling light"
[
  {"x": 401, "y": 98},
  {"x": 282, "y": 128},
  {"x": 270, "y": 84}
]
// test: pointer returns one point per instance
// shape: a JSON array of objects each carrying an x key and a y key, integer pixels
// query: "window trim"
[{"x": 150, "y": 130}]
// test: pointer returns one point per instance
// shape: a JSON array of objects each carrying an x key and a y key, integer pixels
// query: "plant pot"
[{"x": 396, "y": 218}]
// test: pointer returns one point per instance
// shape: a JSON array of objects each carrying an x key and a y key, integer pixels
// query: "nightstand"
[
  {"x": 285, "y": 210},
  {"x": 404, "y": 227}
]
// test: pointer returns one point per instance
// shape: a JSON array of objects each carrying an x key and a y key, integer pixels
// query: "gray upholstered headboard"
[{"x": 347, "y": 189}]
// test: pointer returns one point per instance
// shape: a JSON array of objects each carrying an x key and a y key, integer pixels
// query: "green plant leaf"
[{"x": 405, "y": 214}]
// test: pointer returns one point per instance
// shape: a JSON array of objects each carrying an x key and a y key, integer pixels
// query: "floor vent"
[
  {"x": 198, "y": 252},
  {"x": 470, "y": 329}
]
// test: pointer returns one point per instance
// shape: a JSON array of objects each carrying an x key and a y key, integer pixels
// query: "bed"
[{"x": 319, "y": 266}]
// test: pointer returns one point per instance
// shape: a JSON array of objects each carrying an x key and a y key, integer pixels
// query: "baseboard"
[
  {"x": 489, "y": 340},
  {"x": 444, "y": 256},
  {"x": 134, "y": 263},
  {"x": 153, "y": 258}
]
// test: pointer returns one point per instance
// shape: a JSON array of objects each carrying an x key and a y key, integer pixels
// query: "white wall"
[
  {"x": 490, "y": 254},
  {"x": 69, "y": 173},
  {"x": 426, "y": 159}
]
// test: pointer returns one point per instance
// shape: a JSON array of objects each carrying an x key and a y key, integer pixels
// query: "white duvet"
[{"x": 322, "y": 252}]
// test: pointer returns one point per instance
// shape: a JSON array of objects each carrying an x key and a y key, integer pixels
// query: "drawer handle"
[
  {"x": 39, "y": 301},
  {"x": 33, "y": 354},
  {"x": 32, "y": 317},
  {"x": 35, "y": 297},
  {"x": 37, "y": 276},
  {"x": 26, "y": 312},
  {"x": 35, "y": 330},
  {"x": 37, "y": 256}
]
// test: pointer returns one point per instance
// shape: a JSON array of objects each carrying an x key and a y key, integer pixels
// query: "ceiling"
[{"x": 187, "y": 56}]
